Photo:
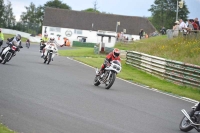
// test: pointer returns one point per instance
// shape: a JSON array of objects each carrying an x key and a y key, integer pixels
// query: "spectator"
[
  {"x": 197, "y": 22},
  {"x": 163, "y": 30},
  {"x": 1, "y": 38},
  {"x": 195, "y": 25},
  {"x": 176, "y": 29},
  {"x": 182, "y": 27},
  {"x": 190, "y": 26},
  {"x": 141, "y": 33}
]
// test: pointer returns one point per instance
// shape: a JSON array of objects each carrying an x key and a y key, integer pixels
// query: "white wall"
[
  {"x": 91, "y": 35},
  {"x": 23, "y": 34}
]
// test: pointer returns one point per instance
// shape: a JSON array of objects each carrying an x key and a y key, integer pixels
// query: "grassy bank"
[
  {"x": 4, "y": 129},
  {"x": 132, "y": 74},
  {"x": 180, "y": 49}
]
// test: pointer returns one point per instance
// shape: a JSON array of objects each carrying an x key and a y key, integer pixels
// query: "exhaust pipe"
[{"x": 188, "y": 117}]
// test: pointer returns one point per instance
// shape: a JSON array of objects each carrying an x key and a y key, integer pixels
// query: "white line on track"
[{"x": 146, "y": 87}]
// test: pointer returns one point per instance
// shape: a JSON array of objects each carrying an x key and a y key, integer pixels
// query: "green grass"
[
  {"x": 10, "y": 36},
  {"x": 4, "y": 129},
  {"x": 80, "y": 52},
  {"x": 133, "y": 74},
  {"x": 181, "y": 49}
]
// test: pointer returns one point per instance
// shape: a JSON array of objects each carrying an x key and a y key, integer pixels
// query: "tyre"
[
  {"x": 49, "y": 58},
  {"x": 111, "y": 80},
  {"x": 96, "y": 81},
  {"x": 6, "y": 58},
  {"x": 185, "y": 124}
]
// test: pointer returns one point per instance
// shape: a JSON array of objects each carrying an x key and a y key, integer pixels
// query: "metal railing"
[
  {"x": 194, "y": 34},
  {"x": 174, "y": 71}
]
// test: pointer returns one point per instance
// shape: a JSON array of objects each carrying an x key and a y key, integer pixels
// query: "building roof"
[{"x": 64, "y": 18}]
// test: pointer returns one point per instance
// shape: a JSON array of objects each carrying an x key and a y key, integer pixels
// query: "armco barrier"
[{"x": 174, "y": 71}]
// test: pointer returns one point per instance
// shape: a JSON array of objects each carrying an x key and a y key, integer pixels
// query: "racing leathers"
[
  {"x": 12, "y": 41},
  {"x": 55, "y": 51},
  {"x": 110, "y": 57},
  {"x": 42, "y": 43}
]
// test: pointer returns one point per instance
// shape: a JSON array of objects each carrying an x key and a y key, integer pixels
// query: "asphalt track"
[{"x": 61, "y": 98}]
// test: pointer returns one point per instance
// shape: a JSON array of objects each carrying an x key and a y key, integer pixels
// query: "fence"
[
  {"x": 174, "y": 71},
  {"x": 188, "y": 34}
]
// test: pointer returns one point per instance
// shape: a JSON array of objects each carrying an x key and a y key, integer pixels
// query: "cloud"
[{"x": 18, "y": 8}]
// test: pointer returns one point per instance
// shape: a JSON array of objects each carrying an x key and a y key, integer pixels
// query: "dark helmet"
[{"x": 18, "y": 37}]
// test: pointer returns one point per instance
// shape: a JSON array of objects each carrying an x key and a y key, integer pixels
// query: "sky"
[{"x": 120, "y": 7}]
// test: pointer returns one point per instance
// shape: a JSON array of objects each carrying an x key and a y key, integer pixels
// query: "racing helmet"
[
  {"x": 52, "y": 39},
  {"x": 18, "y": 37},
  {"x": 116, "y": 52},
  {"x": 45, "y": 35}
]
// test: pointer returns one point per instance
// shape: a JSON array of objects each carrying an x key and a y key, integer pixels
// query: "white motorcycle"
[
  {"x": 109, "y": 74},
  {"x": 50, "y": 51},
  {"x": 9, "y": 51}
]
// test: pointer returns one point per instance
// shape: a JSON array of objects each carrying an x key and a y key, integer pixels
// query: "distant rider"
[
  {"x": 1, "y": 38},
  {"x": 51, "y": 41},
  {"x": 114, "y": 55},
  {"x": 14, "y": 40},
  {"x": 43, "y": 41}
]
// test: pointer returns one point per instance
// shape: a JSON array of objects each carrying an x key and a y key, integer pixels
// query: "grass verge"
[
  {"x": 133, "y": 74},
  {"x": 4, "y": 129},
  {"x": 10, "y": 36}
]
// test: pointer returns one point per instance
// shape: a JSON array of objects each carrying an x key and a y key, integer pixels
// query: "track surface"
[{"x": 61, "y": 98}]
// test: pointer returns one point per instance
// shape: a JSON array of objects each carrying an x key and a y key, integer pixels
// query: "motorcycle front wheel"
[
  {"x": 185, "y": 124},
  {"x": 111, "y": 80},
  {"x": 6, "y": 58},
  {"x": 49, "y": 58},
  {"x": 96, "y": 81}
]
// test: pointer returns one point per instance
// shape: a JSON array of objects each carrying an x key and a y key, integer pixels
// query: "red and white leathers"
[
  {"x": 55, "y": 44},
  {"x": 110, "y": 57}
]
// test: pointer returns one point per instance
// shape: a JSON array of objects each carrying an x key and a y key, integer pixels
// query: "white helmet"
[{"x": 52, "y": 38}]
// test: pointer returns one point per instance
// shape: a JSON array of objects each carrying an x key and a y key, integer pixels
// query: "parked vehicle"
[
  {"x": 191, "y": 120},
  {"x": 109, "y": 74},
  {"x": 9, "y": 52}
]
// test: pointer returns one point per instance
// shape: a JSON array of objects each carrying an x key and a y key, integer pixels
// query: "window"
[
  {"x": 55, "y": 29},
  {"x": 78, "y": 32}
]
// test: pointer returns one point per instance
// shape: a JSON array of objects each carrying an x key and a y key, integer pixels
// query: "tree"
[
  {"x": 164, "y": 13},
  {"x": 1, "y": 12},
  {"x": 8, "y": 17},
  {"x": 91, "y": 10},
  {"x": 57, "y": 4}
]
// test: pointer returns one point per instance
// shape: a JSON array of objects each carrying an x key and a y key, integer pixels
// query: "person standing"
[
  {"x": 197, "y": 22},
  {"x": 176, "y": 29},
  {"x": 141, "y": 33},
  {"x": 182, "y": 26},
  {"x": 1, "y": 38}
]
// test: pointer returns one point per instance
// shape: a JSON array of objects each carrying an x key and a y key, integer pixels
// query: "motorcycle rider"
[
  {"x": 28, "y": 41},
  {"x": 51, "y": 41},
  {"x": 1, "y": 37},
  {"x": 16, "y": 40},
  {"x": 114, "y": 55},
  {"x": 42, "y": 43}
]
